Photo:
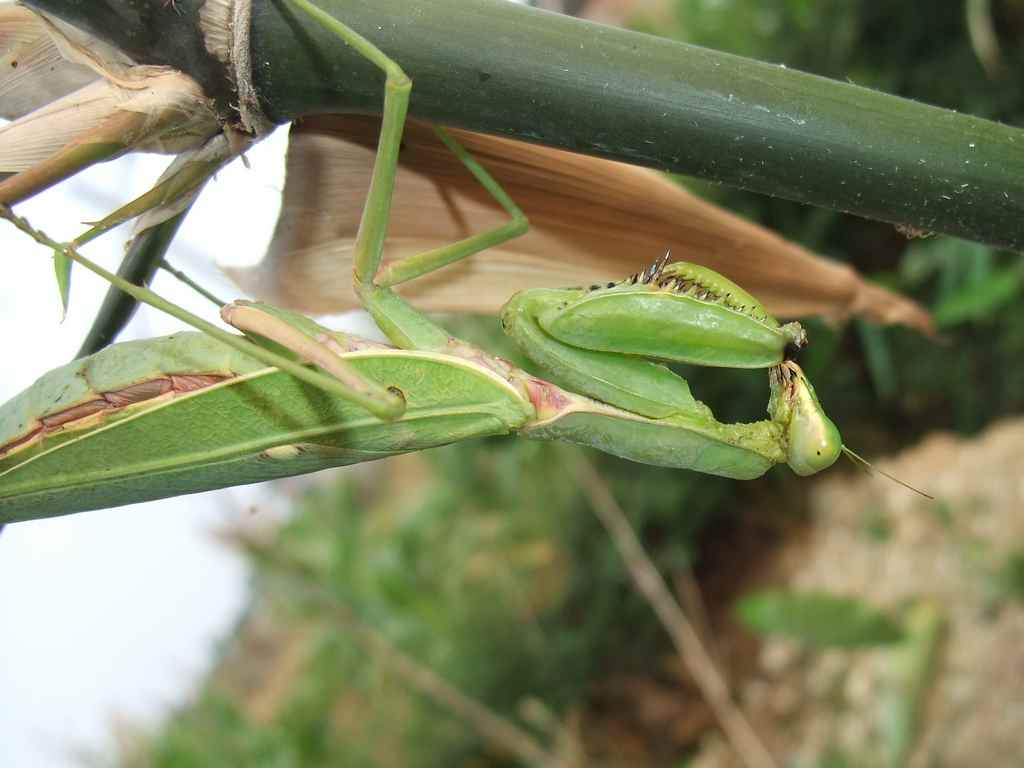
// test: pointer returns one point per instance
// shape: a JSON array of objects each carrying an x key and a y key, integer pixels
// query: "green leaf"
[
  {"x": 878, "y": 358},
  {"x": 62, "y": 269},
  {"x": 912, "y": 671},
  {"x": 1011, "y": 576},
  {"x": 980, "y": 299},
  {"x": 818, "y": 619}
]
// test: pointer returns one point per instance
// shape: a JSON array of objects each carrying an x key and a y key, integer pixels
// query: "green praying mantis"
[{"x": 198, "y": 411}]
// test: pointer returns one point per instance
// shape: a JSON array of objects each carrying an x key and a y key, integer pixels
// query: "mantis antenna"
[{"x": 861, "y": 463}]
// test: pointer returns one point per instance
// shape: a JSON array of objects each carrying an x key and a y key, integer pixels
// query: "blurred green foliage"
[
  {"x": 818, "y": 619},
  {"x": 479, "y": 561},
  {"x": 1011, "y": 576},
  {"x": 483, "y": 562}
]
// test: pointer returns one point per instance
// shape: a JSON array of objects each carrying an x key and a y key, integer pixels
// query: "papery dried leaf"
[
  {"x": 32, "y": 70},
  {"x": 181, "y": 182},
  {"x": 79, "y": 101},
  {"x": 591, "y": 221},
  {"x": 42, "y": 133},
  {"x": 163, "y": 112},
  {"x": 85, "y": 48}
]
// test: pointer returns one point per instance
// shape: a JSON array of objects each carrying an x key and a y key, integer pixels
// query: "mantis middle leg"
[{"x": 404, "y": 325}]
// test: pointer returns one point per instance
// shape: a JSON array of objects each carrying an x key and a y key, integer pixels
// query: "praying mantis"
[{"x": 198, "y": 411}]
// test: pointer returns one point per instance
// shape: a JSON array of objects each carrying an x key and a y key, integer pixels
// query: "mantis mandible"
[{"x": 192, "y": 412}]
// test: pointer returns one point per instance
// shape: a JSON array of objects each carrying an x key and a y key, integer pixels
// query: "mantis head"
[{"x": 813, "y": 442}]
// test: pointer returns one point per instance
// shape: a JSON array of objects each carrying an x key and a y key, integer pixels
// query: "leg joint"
[
  {"x": 520, "y": 224},
  {"x": 397, "y": 81}
]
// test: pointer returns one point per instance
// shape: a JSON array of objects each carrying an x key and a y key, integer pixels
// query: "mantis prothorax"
[{"x": 150, "y": 419}]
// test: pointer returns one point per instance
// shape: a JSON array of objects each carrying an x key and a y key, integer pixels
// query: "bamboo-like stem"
[{"x": 508, "y": 69}]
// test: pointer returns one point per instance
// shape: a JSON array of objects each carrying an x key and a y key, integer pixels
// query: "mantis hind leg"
[{"x": 403, "y": 324}]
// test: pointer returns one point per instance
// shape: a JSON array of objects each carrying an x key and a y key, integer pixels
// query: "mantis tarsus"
[{"x": 145, "y": 420}]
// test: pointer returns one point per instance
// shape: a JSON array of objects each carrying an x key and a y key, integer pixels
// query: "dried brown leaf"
[
  {"x": 32, "y": 70},
  {"x": 591, "y": 220},
  {"x": 163, "y": 111}
]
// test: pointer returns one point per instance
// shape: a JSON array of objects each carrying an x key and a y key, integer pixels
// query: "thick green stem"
[{"x": 498, "y": 67}]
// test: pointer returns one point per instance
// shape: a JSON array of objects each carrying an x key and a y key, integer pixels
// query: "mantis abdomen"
[{"x": 254, "y": 423}]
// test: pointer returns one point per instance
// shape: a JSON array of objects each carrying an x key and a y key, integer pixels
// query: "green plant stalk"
[
  {"x": 511, "y": 70},
  {"x": 138, "y": 267}
]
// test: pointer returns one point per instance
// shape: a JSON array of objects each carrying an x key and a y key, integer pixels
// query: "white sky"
[{"x": 114, "y": 614}]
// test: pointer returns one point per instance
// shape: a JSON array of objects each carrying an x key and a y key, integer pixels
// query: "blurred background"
[{"x": 404, "y": 613}]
